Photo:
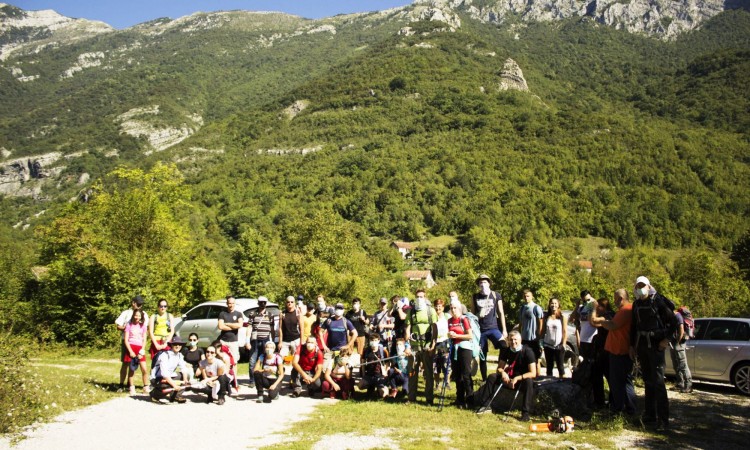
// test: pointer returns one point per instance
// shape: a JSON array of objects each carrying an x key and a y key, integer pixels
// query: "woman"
[
  {"x": 338, "y": 377},
  {"x": 555, "y": 335},
  {"x": 441, "y": 343},
  {"x": 193, "y": 355},
  {"x": 269, "y": 373},
  {"x": 459, "y": 330},
  {"x": 160, "y": 330},
  {"x": 212, "y": 371},
  {"x": 135, "y": 339}
]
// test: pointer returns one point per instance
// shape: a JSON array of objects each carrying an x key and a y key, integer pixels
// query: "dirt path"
[{"x": 127, "y": 423}]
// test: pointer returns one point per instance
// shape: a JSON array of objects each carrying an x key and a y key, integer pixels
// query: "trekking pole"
[
  {"x": 488, "y": 406},
  {"x": 511, "y": 405},
  {"x": 376, "y": 361}
]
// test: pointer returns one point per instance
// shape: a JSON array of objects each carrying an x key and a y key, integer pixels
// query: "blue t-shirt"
[
  {"x": 486, "y": 308},
  {"x": 337, "y": 332},
  {"x": 528, "y": 317}
]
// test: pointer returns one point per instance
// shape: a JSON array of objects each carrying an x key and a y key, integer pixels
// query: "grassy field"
[{"x": 69, "y": 380}]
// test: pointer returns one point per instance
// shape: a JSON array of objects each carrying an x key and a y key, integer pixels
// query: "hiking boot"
[
  {"x": 687, "y": 389},
  {"x": 525, "y": 417},
  {"x": 221, "y": 401}
]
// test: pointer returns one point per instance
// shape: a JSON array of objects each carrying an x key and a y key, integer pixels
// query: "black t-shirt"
[
  {"x": 517, "y": 363},
  {"x": 193, "y": 358},
  {"x": 359, "y": 320},
  {"x": 290, "y": 326},
  {"x": 233, "y": 317}
]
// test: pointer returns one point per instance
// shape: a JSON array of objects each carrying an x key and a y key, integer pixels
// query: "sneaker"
[
  {"x": 210, "y": 399},
  {"x": 180, "y": 399},
  {"x": 484, "y": 410},
  {"x": 221, "y": 401},
  {"x": 260, "y": 399},
  {"x": 146, "y": 389},
  {"x": 132, "y": 390}
]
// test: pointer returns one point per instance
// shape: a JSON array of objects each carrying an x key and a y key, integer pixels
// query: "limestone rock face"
[
  {"x": 511, "y": 77},
  {"x": 17, "y": 176}
]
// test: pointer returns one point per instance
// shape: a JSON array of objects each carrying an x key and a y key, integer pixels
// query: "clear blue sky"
[{"x": 126, "y": 13}]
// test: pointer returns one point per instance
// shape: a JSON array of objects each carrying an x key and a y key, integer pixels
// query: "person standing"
[
  {"x": 290, "y": 333},
  {"x": 382, "y": 323},
  {"x": 307, "y": 320},
  {"x": 442, "y": 343},
  {"x": 684, "y": 382},
  {"x": 419, "y": 329},
  {"x": 358, "y": 317},
  {"x": 230, "y": 322},
  {"x": 487, "y": 305},
  {"x": 340, "y": 334},
  {"x": 654, "y": 323},
  {"x": 135, "y": 341},
  {"x": 617, "y": 345},
  {"x": 600, "y": 368},
  {"x": 555, "y": 335},
  {"x": 530, "y": 317},
  {"x": 160, "y": 330},
  {"x": 398, "y": 314},
  {"x": 262, "y": 330},
  {"x": 121, "y": 322},
  {"x": 584, "y": 312},
  {"x": 459, "y": 330}
]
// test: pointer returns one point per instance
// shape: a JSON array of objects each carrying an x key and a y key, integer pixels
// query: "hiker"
[
  {"x": 382, "y": 323},
  {"x": 121, "y": 322},
  {"x": 358, "y": 317},
  {"x": 307, "y": 320},
  {"x": 654, "y": 323},
  {"x": 419, "y": 329},
  {"x": 684, "y": 381},
  {"x": 398, "y": 375},
  {"x": 338, "y": 377},
  {"x": 223, "y": 354},
  {"x": 587, "y": 331},
  {"x": 487, "y": 305},
  {"x": 617, "y": 345},
  {"x": 516, "y": 370},
  {"x": 214, "y": 376},
  {"x": 600, "y": 368},
  {"x": 289, "y": 332},
  {"x": 373, "y": 370},
  {"x": 262, "y": 330},
  {"x": 193, "y": 355},
  {"x": 135, "y": 341},
  {"x": 555, "y": 335},
  {"x": 530, "y": 317},
  {"x": 459, "y": 330},
  {"x": 340, "y": 334},
  {"x": 307, "y": 368},
  {"x": 442, "y": 361},
  {"x": 399, "y": 320},
  {"x": 230, "y": 322},
  {"x": 268, "y": 373},
  {"x": 166, "y": 380},
  {"x": 160, "y": 330}
]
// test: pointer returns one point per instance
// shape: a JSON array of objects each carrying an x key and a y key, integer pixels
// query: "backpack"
[
  {"x": 687, "y": 317},
  {"x": 427, "y": 336},
  {"x": 476, "y": 349},
  {"x": 582, "y": 373}
]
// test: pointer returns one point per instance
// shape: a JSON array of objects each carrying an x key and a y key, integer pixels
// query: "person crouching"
[
  {"x": 268, "y": 373},
  {"x": 166, "y": 380},
  {"x": 213, "y": 372},
  {"x": 338, "y": 377},
  {"x": 373, "y": 368}
]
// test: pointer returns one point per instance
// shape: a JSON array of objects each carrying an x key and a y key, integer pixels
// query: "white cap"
[{"x": 643, "y": 280}]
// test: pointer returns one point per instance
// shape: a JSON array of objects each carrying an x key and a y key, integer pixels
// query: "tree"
[{"x": 253, "y": 265}]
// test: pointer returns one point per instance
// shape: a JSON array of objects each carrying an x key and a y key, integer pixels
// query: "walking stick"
[{"x": 488, "y": 406}]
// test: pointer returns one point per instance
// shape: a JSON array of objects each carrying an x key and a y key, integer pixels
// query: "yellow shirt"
[{"x": 307, "y": 323}]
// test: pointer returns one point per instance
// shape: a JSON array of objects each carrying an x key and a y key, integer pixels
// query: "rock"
[
  {"x": 295, "y": 108},
  {"x": 511, "y": 77},
  {"x": 551, "y": 393},
  {"x": 84, "y": 178}
]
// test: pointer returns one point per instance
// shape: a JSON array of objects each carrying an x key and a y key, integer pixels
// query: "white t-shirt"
[
  {"x": 211, "y": 369},
  {"x": 588, "y": 331},
  {"x": 125, "y": 317},
  {"x": 553, "y": 332}
]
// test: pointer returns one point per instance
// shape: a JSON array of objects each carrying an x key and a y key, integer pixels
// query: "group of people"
[{"x": 329, "y": 348}]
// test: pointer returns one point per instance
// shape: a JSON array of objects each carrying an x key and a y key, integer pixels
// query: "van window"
[{"x": 197, "y": 313}]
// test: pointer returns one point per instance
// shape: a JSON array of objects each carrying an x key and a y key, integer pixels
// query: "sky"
[{"x": 126, "y": 13}]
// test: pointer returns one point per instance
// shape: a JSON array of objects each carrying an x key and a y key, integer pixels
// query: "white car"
[
  {"x": 203, "y": 320},
  {"x": 720, "y": 351}
]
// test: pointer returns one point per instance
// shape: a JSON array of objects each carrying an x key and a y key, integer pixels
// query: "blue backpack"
[{"x": 476, "y": 350}]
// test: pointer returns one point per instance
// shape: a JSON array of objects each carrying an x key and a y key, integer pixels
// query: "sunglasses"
[
  {"x": 211, "y": 353},
  {"x": 162, "y": 306}
]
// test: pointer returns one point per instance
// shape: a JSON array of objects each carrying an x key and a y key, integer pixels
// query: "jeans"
[
  {"x": 312, "y": 388},
  {"x": 492, "y": 335},
  {"x": 680, "y": 364},
  {"x": 461, "y": 366},
  {"x": 621, "y": 387},
  {"x": 256, "y": 349}
]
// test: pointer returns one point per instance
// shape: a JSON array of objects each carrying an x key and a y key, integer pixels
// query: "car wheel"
[{"x": 741, "y": 378}]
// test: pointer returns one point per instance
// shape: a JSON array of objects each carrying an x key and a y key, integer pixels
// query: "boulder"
[{"x": 551, "y": 393}]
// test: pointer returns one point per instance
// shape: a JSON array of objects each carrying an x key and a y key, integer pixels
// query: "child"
[
  {"x": 398, "y": 374},
  {"x": 338, "y": 377},
  {"x": 135, "y": 336}
]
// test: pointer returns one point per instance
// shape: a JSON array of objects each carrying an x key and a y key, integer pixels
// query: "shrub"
[{"x": 19, "y": 396}]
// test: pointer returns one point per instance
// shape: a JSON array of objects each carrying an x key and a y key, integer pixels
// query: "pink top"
[{"x": 136, "y": 333}]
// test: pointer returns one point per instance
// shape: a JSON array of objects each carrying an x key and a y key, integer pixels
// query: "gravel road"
[{"x": 127, "y": 423}]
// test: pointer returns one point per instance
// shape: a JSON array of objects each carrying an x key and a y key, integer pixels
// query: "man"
[
  {"x": 530, "y": 317},
  {"x": 262, "y": 330},
  {"x": 230, "y": 321},
  {"x": 398, "y": 314},
  {"x": 324, "y": 311},
  {"x": 373, "y": 369},
  {"x": 382, "y": 323},
  {"x": 684, "y": 382},
  {"x": 358, "y": 317},
  {"x": 516, "y": 370},
  {"x": 166, "y": 380},
  {"x": 213, "y": 373},
  {"x": 307, "y": 368},
  {"x": 340, "y": 333},
  {"x": 121, "y": 323},
  {"x": 487, "y": 305},
  {"x": 308, "y": 319},
  {"x": 618, "y": 346},
  {"x": 587, "y": 331},
  {"x": 290, "y": 333},
  {"x": 653, "y": 324},
  {"x": 420, "y": 354}
]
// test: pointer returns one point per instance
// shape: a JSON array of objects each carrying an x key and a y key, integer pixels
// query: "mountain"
[{"x": 529, "y": 117}]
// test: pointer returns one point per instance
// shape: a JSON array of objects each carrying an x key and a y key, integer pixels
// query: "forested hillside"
[{"x": 297, "y": 151}]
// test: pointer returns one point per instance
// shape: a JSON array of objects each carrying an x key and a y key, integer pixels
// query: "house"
[
  {"x": 405, "y": 248},
  {"x": 421, "y": 276},
  {"x": 585, "y": 265}
]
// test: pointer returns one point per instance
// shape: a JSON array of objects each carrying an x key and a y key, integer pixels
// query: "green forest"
[{"x": 627, "y": 151}]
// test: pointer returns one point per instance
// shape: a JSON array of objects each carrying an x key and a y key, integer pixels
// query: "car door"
[
  {"x": 715, "y": 347},
  {"x": 197, "y": 321}
]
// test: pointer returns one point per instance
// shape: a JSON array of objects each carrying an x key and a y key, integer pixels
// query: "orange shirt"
[{"x": 618, "y": 340}]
